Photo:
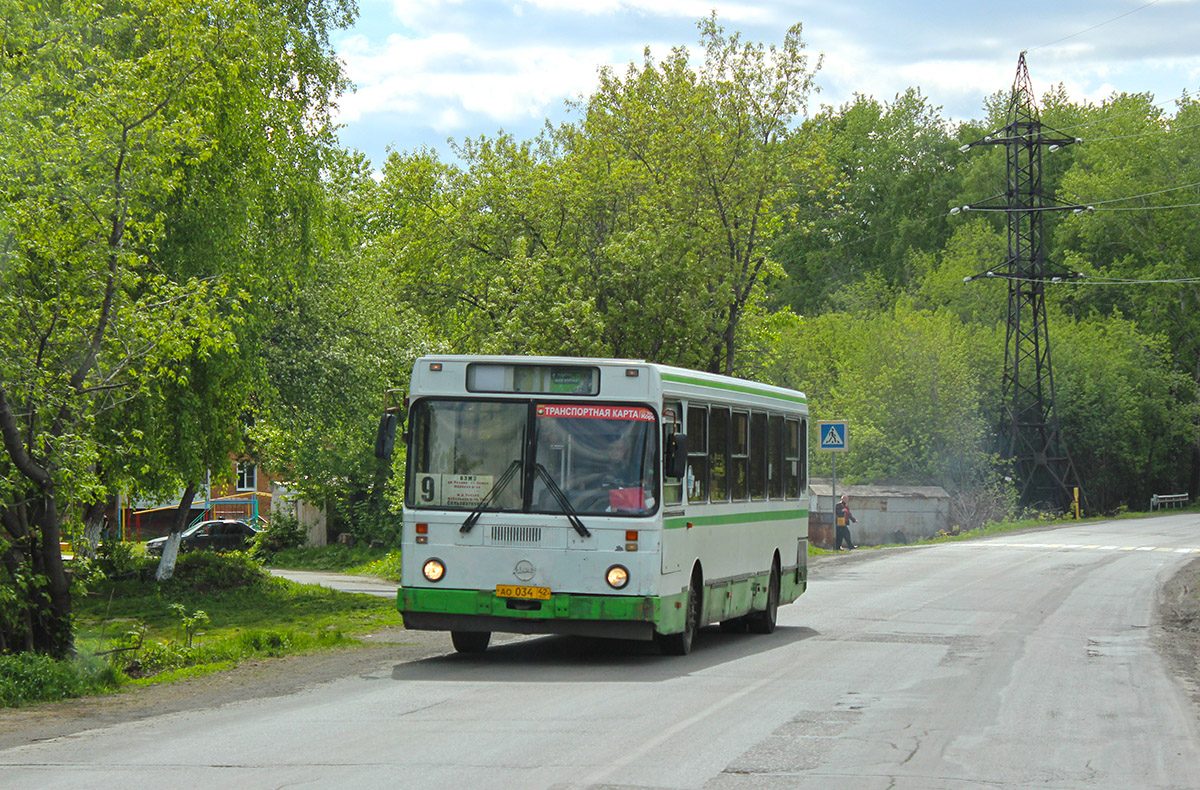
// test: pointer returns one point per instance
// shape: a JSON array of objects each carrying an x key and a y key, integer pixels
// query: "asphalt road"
[{"x": 1014, "y": 662}]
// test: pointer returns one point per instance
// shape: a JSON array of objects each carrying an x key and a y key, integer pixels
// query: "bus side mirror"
[
  {"x": 385, "y": 437},
  {"x": 677, "y": 447}
]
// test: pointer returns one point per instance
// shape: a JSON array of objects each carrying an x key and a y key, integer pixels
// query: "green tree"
[
  {"x": 339, "y": 339},
  {"x": 1129, "y": 413},
  {"x": 976, "y": 247},
  {"x": 107, "y": 111},
  {"x": 252, "y": 213},
  {"x": 913, "y": 385},
  {"x": 1140, "y": 168},
  {"x": 641, "y": 230},
  {"x": 95, "y": 129},
  {"x": 697, "y": 164},
  {"x": 889, "y": 177}
]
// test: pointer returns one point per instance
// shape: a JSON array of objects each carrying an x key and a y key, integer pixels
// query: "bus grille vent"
[{"x": 504, "y": 535}]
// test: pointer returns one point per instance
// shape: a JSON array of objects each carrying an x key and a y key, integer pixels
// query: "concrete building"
[{"x": 886, "y": 514}]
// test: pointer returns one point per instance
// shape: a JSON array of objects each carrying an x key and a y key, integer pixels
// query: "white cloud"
[
  {"x": 735, "y": 12},
  {"x": 445, "y": 77},
  {"x": 465, "y": 67},
  {"x": 428, "y": 11}
]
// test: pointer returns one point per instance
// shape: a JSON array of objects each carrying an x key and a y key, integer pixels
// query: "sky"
[{"x": 429, "y": 71}]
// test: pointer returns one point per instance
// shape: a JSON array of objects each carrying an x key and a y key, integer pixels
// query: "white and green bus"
[{"x": 598, "y": 497}]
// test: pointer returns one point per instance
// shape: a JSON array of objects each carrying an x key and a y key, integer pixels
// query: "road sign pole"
[
  {"x": 834, "y": 460},
  {"x": 834, "y": 436}
]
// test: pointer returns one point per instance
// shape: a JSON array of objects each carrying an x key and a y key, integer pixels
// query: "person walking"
[{"x": 844, "y": 519}]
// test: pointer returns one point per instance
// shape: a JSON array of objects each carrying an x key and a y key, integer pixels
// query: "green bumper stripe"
[
  {"x": 735, "y": 518},
  {"x": 560, "y": 606}
]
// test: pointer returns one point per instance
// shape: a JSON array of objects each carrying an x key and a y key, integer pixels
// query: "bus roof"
[{"x": 673, "y": 377}]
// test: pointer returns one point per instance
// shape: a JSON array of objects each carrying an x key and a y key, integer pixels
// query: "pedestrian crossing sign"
[{"x": 834, "y": 435}]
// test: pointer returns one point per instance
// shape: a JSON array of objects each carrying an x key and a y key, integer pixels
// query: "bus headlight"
[
  {"x": 617, "y": 577},
  {"x": 434, "y": 570}
]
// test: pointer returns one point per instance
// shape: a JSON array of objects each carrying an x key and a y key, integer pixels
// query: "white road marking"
[{"x": 1077, "y": 546}]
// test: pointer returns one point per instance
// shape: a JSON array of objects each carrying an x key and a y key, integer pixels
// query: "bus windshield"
[{"x": 601, "y": 458}]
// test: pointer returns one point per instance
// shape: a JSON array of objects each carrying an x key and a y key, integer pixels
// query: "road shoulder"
[{"x": 1177, "y": 635}]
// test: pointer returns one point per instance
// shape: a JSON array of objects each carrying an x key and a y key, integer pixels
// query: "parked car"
[{"x": 214, "y": 535}]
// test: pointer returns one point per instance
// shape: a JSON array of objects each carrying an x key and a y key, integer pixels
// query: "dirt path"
[
  {"x": 1176, "y": 637},
  {"x": 1177, "y": 632}
]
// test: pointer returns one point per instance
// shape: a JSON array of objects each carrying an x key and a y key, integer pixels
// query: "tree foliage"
[
  {"x": 120, "y": 140},
  {"x": 911, "y": 382},
  {"x": 641, "y": 230},
  {"x": 190, "y": 268},
  {"x": 889, "y": 174}
]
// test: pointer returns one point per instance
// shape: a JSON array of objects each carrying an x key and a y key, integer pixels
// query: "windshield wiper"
[
  {"x": 561, "y": 499},
  {"x": 494, "y": 492}
]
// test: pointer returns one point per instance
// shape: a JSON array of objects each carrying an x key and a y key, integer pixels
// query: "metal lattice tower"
[{"x": 1033, "y": 442}]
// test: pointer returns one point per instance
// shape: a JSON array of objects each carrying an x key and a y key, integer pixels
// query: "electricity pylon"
[{"x": 1033, "y": 442}]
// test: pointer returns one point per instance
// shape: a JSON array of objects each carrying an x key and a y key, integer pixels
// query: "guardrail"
[{"x": 1168, "y": 500}]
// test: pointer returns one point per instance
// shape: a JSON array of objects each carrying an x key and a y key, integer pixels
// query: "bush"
[
  {"x": 283, "y": 532},
  {"x": 326, "y": 558},
  {"x": 139, "y": 658},
  {"x": 27, "y": 677},
  {"x": 266, "y": 643},
  {"x": 121, "y": 559},
  {"x": 386, "y": 568},
  {"x": 208, "y": 571}
]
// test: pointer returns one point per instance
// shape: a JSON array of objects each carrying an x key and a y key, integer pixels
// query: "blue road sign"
[{"x": 835, "y": 435}]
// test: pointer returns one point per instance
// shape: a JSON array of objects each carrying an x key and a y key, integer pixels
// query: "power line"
[
  {"x": 1142, "y": 134},
  {"x": 1160, "y": 104},
  {"x": 1093, "y": 27},
  {"x": 1078, "y": 278},
  {"x": 1148, "y": 208},
  {"x": 1107, "y": 118},
  {"x": 1082, "y": 206},
  {"x": 1079, "y": 208},
  {"x": 1146, "y": 194},
  {"x": 1089, "y": 279}
]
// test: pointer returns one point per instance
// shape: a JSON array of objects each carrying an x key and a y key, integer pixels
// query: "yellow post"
[{"x": 1076, "y": 503}]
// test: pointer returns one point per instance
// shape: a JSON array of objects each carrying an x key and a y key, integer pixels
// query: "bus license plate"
[{"x": 518, "y": 591}]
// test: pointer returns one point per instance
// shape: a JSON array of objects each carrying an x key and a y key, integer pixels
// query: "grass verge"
[
  {"x": 341, "y": 559},
  {"x": 216, "y": 612}
]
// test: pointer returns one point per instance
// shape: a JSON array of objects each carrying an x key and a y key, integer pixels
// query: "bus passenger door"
[{"x": 675, "y": 543}]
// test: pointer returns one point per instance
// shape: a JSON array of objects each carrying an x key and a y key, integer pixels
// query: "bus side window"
[
  {"x": 804, "y": 458},
  {"x": 739, "y": 455},
  {"x": 793, "y": 467},
  {"x": 718, "y": 453},
  {"x": 671, "y": 424},
  {"x": 775, "y": 457},
  {"x": 697, "y": 474},
  {"x": 758, "y": 455}
]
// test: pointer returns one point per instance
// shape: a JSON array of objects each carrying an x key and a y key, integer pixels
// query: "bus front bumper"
[{"x": 609, "y": 616}]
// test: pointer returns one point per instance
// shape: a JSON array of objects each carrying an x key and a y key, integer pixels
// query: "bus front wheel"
[
  {"x": 681, "y": 644},
  {"x": 470, "y": 641},
  {"x": 764, "y": 622}
]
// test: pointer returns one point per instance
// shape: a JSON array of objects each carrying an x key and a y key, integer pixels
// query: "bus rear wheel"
[
  {"x": 764, "y": 622},
  {"x": 470, "y": 641}
]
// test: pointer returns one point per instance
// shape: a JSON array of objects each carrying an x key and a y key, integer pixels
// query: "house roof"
[{"x": 825, "y": 488}]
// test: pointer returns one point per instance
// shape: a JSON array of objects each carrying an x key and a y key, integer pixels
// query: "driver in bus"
[{"x": 624, "y": 486}]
